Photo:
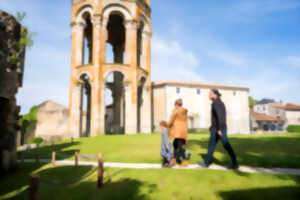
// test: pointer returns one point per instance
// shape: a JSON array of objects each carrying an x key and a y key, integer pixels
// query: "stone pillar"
[
  {"x": 74, "y": 121},
  {"x": 146, "y": 110},
  {"x": 144, "y": 50},
  {"x": 99, "y": 40},
  {"x": 131, "y": 43},
  {"x": 79, "y": 43},
  {"x": 130, "y": 111},
  {"x": 76, "y": 60},
  {"x": 131, "y": 59}
]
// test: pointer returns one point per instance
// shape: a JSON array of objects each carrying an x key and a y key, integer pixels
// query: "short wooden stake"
[
  {"x": 100, "y": 170},
  {"x": 76, "y": 159},
  {"x": 37, "y": 158},
  {"x": 34, "y": 187},
  {"x": 53, "y": 158},
  {"x": 22, "y": 158},
  {"x": 72, "y": 139}
]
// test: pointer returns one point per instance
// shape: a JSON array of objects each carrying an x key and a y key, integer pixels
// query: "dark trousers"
[
  {"x": 178, "y": 148},
  {"x": 214, "y": 138}
]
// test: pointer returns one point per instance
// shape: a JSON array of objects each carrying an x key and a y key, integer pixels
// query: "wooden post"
[
  {"x": 100, "y": 170},
  {"x": 34, "y": 187},
  {"x": 21, "y": 157},
  {"x": 76, "y": 159},
  {"x": 72, "y": 139},
  {"x": 37, "y": 158},
  {"x": 53, "y": 158}
]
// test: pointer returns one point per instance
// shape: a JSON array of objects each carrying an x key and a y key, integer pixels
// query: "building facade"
[
  {"x": 196, "y": 99},
  {"x": 292, "y": 114}
]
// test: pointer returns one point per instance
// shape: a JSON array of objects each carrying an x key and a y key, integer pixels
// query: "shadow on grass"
[
  {"x": 86, "y": 188},
  {"x": 269, "y": 152},
  {"x": 69, "y": 182},
  {"x": 45, "y": 152},
  {"x": 274, "y": 193}
]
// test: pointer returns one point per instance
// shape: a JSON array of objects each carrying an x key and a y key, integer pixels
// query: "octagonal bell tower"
[{"x": 122, "y": 27}]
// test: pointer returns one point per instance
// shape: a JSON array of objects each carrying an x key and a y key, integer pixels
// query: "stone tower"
[{"x": 124, "y": 28}]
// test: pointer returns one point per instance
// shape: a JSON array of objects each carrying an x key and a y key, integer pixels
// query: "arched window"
[
  {"x": 140, "y": 43},
  {"x": 87, "y": 40},
  {"x": 116, "y": 37}
]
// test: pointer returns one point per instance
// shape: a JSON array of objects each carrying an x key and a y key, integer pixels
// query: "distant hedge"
[{"x": 293, "y": 129}]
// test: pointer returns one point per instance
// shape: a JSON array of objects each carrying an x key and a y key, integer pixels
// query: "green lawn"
[
  {"x": 280, "y": 150},
  {"x": 129, "y": 184}
]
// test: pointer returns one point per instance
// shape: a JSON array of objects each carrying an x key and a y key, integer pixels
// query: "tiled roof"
[
  {"x": 292, "y": 107},
  {"x": 263, "y": 117},
  {"x": 265, "y": 101},
  {"x": 198, "y": 84}
]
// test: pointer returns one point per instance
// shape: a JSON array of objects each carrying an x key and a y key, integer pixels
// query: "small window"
[
  {"x": 277, "y": 112},
  {"x": 177, "y": 90},
  {"x": 198, "y": 91},
  {"x": 234, "y": 93}
]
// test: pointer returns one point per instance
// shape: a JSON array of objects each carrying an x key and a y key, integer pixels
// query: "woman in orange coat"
[{"x": 178, "y": 125}]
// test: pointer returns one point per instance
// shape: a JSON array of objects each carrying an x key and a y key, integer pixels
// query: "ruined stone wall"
[{"x": 11, "y": 75}]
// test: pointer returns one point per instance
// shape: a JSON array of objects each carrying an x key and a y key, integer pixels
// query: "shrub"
[
  {"x": 293, "y": 128},
  {"x": 37, "y": 141}
]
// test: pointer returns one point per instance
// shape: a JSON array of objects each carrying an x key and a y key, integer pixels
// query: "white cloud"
[
  {"x": 170, "y": 61},
  {"x": 249, "y": 11},
  {"x": 293, "y": 61}
]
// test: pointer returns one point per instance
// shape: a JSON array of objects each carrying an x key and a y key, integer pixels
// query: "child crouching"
[{"x": 166, "y": 146}]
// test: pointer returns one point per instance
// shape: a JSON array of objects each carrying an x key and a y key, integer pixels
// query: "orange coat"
[{"x": 178, "y": 123}]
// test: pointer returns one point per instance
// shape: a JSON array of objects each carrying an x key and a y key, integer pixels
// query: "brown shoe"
[
  {"x": 172, "y": 163},
  {"x": 184, "y": 163}
]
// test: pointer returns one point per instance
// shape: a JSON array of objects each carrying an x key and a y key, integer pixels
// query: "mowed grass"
[
  {"x": 151, "y": 184},
  {"x": 278, "y": 150}
]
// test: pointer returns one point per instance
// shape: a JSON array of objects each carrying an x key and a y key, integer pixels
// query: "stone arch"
[
  {"x": 82, "y": 11},
  {"x": 78, "y": 77},
  {"x": 122, "y": 71},
  {"x": 146, "y": 23},
  {"x": 116, "y": 8}
]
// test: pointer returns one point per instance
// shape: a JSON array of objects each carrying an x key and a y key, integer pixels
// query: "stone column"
[
  {"x": 74, "y": 120},
  {"x": 97, "y": 125},
  {"x": 146, "y": 110},
  {"x": 79, "y": 42},
  {"x": 130, "y": 111},
  {"x": 144, "y": 50},
  {"x": 131, "y": 59},
  {"x": 74, "y": 98},
  {"x": 131, "y": 43}
]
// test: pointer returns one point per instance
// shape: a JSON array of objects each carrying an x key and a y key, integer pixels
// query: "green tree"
[
  {"x": 28, "y": 121},
  {"x": 26, "y": 40},
  {"x": 252, "y": 102}
]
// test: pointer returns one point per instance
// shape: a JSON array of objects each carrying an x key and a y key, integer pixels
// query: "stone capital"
[
  {"x": 78, "y": 25},
  {"x": 96, "y": 20},
  {"x": 104, "y": 22},
  {"x": 131, "y": 24},
  {"x": 146, "y": 34}
]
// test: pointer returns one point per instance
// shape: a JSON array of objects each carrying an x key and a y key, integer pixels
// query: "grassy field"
[
  {"x": 280, "y": 150},
  {"x": 162, "y": 184}
]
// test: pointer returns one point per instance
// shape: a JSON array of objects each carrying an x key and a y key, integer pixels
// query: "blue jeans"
[{"x": 214, "y": 138}]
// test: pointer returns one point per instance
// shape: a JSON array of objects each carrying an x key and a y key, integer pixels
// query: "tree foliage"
[
  {"x": 252, "y": 102},
  {"x": 26, "y": 40}
]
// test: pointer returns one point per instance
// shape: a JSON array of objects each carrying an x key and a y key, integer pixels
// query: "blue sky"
[{"x": 251, "y": 43}]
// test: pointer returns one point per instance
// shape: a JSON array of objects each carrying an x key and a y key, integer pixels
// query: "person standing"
[
  {"x": 178, "y": 125},
  {"x": 218, "y": 130}
]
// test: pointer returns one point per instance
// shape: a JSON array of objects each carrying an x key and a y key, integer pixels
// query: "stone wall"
[{"x": 11, "y": 76}]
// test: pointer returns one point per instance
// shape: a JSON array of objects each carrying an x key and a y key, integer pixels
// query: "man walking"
[{"x": 218, "y": 129}]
